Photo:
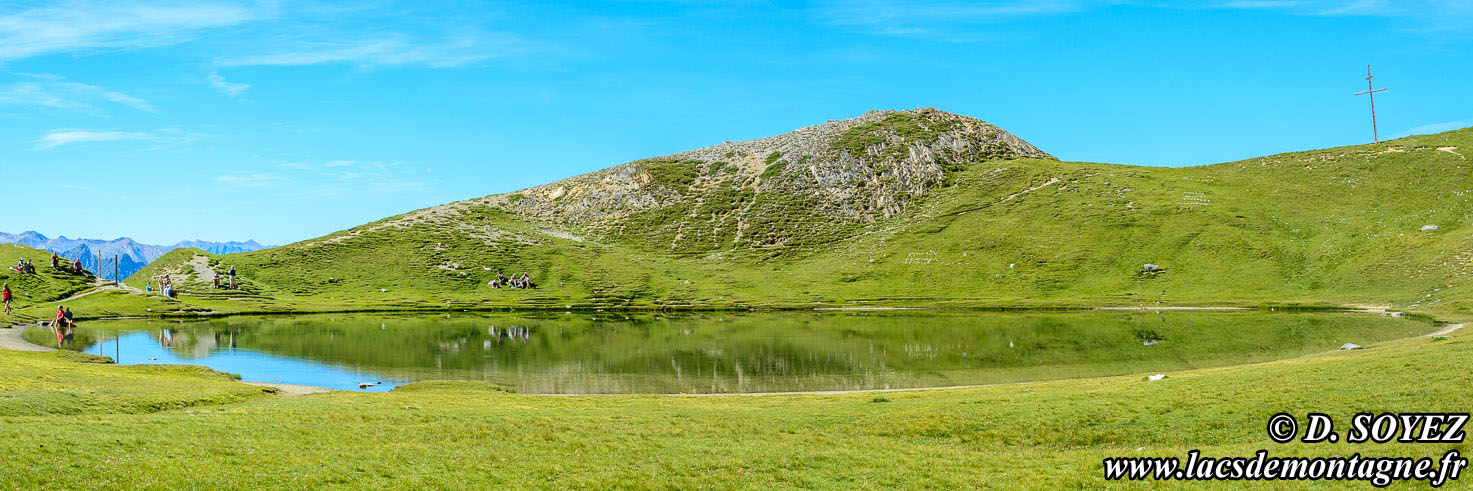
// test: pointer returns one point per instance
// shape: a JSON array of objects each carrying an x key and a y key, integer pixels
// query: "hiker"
[
  {"x": 232, "y": 274},
  {"x": 526, "y": 280},
  {"x": 55, "y": 260},
  {"x": 5, "y": 295},
  {"x": 501, "y": 279},
  {"x": 58, "y": 326},
  {"x": 59, "y": 321},
  {"x": 216, "y": 286},
  {"x": 69, "y": 321}
]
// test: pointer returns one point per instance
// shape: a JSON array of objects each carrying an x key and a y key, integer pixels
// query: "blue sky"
[{"x": 284, "y": 121}]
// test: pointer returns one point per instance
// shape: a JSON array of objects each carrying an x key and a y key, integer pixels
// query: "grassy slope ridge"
[
  {"x": 987, "y": 225},
  {"x": 33, "y": 292}
]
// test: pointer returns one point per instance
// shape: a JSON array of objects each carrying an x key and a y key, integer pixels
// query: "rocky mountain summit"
[
  {"x": 820, "y": 179},
  {"x": 859, "y": 168}
]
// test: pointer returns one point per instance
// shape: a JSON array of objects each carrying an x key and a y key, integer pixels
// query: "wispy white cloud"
[
  {"x": 333, "y": 178},
  {"x": 80, "y": 25},
  {"x": 868, "y": 12},
  {"x": 67, "y": 137},
  {"x": 378, "y": 176},
  {"x": 1428, "y": 129},
  {"x": 53, "y": 92},
  {"x": 159, "y": 139},
  {"x": 387, "y": 49},
  {"x": 1438, "y": 15},
  {"x": 952, "y": 20},
  {"x": 254, "y": 179},
  {"x": 230, "y": 89},
  {"x": 261, "y": 33},
  {"x": 947, "y": 20}
]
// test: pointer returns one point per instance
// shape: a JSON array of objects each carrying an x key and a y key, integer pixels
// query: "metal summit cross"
[{"x": 1371, "y": 90}]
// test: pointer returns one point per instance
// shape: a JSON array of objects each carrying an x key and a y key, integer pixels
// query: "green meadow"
[{"x": 74, "y": 424}]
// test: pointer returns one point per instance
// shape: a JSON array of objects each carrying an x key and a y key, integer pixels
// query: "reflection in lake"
[{"x": 726, "y": 352}]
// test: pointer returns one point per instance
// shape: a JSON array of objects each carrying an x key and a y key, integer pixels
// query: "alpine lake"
[{"x": 725, "y": 352}]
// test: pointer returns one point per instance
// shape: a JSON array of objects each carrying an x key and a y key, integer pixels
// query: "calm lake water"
[{"x": 579, "y": 353}]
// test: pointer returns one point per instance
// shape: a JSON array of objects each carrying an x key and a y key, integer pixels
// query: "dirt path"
[
  {"x": 1162, "y": 307},
  {"x": 10, "y": 339},
  {"x": 291, "y": 390},
  {"x": 202, "y": 270},
  {"x": 1051, "y": 181},
  {"x": 1446, "y": 330},
  {"x": 95, "y": 289}
]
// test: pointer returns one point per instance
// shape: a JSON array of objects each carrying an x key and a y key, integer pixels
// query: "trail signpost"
[{"x": 1371, "y": 90}]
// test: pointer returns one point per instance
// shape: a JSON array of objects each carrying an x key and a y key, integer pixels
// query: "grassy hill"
[
  {"x": 33, "y": 292},
  {"x": 914, "y": 207}
]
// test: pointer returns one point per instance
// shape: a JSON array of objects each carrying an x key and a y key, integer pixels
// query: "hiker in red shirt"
[{"x": 6, "y": 295}]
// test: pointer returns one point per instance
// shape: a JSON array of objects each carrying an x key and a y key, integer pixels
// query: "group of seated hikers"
[
  {"x": 24, "y": 266},
  {"x": 166, "y": 284},
  {"x": 502, "y": 281}
]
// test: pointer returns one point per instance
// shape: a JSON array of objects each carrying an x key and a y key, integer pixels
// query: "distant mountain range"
[{"x": 132, "y": 255}]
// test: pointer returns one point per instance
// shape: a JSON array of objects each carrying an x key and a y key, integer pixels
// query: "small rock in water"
[
  {"x": 1428, "y": 228},
  {"x": 1349, "y": 346},
  {"x": 1156, "y": 377}
]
